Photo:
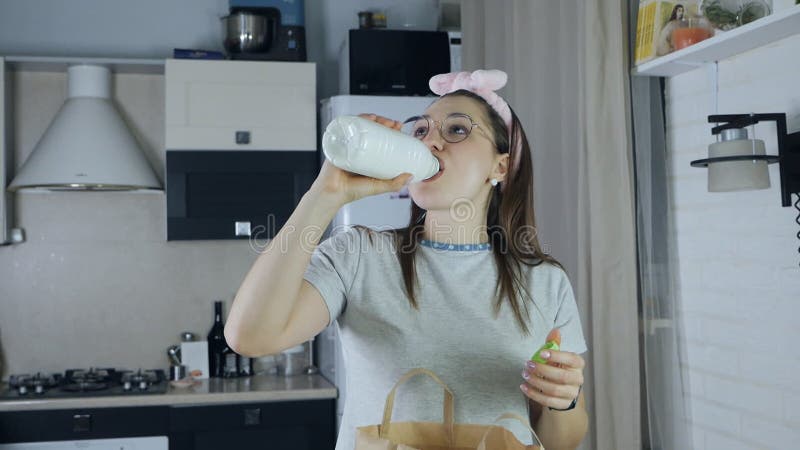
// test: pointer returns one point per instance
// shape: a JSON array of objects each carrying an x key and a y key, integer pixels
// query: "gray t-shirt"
[{"x": 454, "y": 333}]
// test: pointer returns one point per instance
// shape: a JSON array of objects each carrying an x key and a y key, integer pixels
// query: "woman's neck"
[{"x": 461, "y": 224}]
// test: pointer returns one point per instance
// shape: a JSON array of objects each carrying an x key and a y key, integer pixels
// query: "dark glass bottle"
[{"x": 217, "y": 345}]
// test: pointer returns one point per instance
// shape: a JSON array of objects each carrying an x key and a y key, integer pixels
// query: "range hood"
[{"x": 87, "y": 147}]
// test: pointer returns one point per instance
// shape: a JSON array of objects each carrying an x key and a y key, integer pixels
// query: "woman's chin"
[{"x": 430, "y": 199}]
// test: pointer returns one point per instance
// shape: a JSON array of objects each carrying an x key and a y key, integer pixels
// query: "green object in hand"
[{"x": 549, "y": 345}]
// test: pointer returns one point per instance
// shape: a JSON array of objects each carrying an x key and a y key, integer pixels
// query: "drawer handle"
[
  {"x": 242, "y": 137},
  {"x": 252, "y": 416},
  {"x": 81, "y": 423},
  {"x": 243, "y": 228}
]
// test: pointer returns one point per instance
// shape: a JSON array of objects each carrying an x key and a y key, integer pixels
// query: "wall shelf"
[
  {"x": 60, "y": 64},
  {"x": 755, "y": 34}
]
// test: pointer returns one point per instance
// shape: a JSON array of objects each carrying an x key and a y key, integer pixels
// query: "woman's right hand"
[{"x": 345, "y": 187}]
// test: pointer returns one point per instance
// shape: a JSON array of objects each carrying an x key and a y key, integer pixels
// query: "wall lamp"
[{"x": 737, "y": 163}]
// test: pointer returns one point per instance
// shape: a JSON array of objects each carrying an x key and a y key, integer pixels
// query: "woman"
[{"x": 464, "y": 290}]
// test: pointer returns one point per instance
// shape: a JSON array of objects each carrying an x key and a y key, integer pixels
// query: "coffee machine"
[{"x": 286, "y": 33}]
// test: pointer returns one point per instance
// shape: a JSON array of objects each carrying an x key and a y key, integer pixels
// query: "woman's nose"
[{"x": 434, "y": 140}]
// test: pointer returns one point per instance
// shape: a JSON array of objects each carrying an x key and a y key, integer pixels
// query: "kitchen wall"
[
  {"x": 152, "y": 28},
  {"x": 96, "y": 283},
  {"x": 738, "y": 256}
]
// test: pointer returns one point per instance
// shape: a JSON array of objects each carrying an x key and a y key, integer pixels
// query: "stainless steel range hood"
[{"x": 87, "y": 146}]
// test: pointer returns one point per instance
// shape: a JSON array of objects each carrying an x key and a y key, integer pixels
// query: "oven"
[
  {"x": 33, "y": 422},
  {"x": 141, "y": 443}
]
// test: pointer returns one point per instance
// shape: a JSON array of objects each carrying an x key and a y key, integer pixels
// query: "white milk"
[{"x": 368, "y": 148}]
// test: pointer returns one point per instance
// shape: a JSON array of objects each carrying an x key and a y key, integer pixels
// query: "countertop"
[{"x": 258, "y": 388}]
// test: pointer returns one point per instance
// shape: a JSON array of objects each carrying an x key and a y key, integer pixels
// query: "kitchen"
[{"x": 96, "y": 271}]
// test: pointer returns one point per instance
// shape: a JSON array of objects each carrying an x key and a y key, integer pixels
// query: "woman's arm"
[
  {"x": 274, "y": 307},
  {"x": 559, "y": 429},
  {"x": 264, "y": 302},
  {"x": 555, "y": 385}
]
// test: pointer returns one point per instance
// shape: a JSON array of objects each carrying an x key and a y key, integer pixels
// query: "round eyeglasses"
[{"x": 454, "y": 128}]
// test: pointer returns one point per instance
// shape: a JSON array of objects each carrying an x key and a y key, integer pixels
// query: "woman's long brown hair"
[{"x": 510, "y": 221}]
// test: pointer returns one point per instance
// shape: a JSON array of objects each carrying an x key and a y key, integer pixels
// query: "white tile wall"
[
  {"x": 739, "y": 272},
  {"x": 712, "y": 439}
]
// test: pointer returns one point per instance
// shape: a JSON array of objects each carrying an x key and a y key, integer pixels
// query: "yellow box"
[
  {"x": 655, "y": 23},
  {"x": 653, "y": 15}
]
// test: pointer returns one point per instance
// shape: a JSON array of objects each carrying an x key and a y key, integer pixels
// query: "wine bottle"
[{"x": 217, "y": 344}]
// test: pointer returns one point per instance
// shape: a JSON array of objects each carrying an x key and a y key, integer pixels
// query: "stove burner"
[
  {"x": 25, "y": 383},
  {"x": 82, "y": 386},
  {"x": 90, "y": 376},
  {"x": 142, "y": 380},
  {"x": 82, "y": 382}
]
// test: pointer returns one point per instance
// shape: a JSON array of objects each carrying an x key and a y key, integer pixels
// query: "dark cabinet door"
[
  {"x": 75, "y": 424},
  {"x": 234, "y": 194},
  {"x": 298, "y": 425},
  {"x": 287, "y": 438}
]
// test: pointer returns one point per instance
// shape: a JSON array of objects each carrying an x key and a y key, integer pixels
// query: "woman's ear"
[{"x": 500, "y": 170}]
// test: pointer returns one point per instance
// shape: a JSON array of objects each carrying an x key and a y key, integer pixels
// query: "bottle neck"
[{"x": 217, "y": 312}]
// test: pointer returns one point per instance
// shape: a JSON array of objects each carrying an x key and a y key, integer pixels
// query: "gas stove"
[{"x": 91, "y": 382}]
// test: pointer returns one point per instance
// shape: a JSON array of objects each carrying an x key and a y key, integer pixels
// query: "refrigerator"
[{"x": 384, "y": 211}]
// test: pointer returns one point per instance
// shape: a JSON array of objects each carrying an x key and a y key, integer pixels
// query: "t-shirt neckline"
[{"x": 455, "y": 247}]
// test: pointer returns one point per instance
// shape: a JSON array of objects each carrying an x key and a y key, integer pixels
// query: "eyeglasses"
[{"x": 454, "y": 128}]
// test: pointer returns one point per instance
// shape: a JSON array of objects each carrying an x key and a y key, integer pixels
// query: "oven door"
[
  {"x": 234, "y": 194},
  {"x": 140, "y": 443}
]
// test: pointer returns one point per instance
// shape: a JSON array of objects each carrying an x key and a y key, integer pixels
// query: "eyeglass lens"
[{"x": 455, "y": 128}]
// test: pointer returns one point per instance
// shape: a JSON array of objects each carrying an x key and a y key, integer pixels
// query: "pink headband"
[{"x": 482, "y": 83}]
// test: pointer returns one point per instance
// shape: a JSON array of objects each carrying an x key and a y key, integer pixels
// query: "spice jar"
[{"x": 752, "y": 10}]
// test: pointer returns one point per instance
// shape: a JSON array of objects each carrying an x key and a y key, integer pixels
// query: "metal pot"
[{"x": 247, "y": 33}]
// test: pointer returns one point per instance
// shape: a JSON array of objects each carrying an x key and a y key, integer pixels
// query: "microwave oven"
[
  {"x": 234, "y": 194},
  {"x": 392, "y": 62}
]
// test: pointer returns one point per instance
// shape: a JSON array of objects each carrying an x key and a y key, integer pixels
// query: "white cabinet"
[{"x": 240, "y": 105}]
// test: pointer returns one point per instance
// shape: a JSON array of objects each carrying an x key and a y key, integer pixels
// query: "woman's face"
[
  {"x": 679, "y": 13},
  {"x": 467, "y": 164}
]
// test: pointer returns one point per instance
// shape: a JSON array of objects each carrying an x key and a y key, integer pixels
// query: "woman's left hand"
[{"x": 555, "y": 384}]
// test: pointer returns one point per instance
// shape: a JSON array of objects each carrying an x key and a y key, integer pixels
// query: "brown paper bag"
[{"x": 445, "y": 435}]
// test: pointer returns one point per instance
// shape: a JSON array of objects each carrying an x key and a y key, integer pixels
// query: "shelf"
[
  {"x": 60, "y": 64},
  {"x": 760, "y": 32}
]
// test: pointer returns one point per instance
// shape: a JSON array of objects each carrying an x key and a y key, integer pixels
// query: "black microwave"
[
  {"x": 234, "y": 194},
  {"x": 393, "y": 62}
]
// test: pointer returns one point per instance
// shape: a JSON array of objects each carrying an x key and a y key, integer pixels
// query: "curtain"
[
  {"x": 665, "y": 408},
  {"x": 530, "y": 41},
  {"x": 568, "y": 81},
  {"x": 607, "y": 281}
]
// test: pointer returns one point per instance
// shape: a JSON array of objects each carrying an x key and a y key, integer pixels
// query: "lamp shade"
[{"x": 737, "y": 175}]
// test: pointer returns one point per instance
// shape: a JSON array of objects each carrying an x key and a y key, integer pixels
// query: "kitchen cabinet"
[
  {"x": 83, "y": 423},
  {"x": 240, "y": 105},
  {"x": 241, "y": 146},
  {"x": 284, "y": 425},
  {"x": 298, "y": 425},
  {"x": 234, "y": 194}
]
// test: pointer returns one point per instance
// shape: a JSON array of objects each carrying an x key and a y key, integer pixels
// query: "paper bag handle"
[
  {"x": 448, "y": 402},
  {"x": 509, "y": 415}
]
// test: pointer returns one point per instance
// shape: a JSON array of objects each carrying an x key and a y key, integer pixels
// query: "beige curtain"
[{"x": 568, "y": 81}]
